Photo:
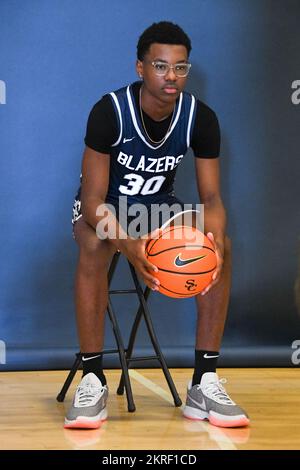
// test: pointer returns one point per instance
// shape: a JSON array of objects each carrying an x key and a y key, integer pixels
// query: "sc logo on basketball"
[
  {"x": 190, "y": 285},
  {"x": 296, "y": 354}
]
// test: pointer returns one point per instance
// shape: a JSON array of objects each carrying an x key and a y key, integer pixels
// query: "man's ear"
[{"x": 139, "y": 68}]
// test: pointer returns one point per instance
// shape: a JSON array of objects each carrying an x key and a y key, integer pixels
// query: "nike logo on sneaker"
[
  {"x": 182, "y": 262},
  {"x": 201, "y": 405},
  {"x": 209, "y": 357},
  {"x": 89, "y": 358},
  {"x": 127, "y": 140}
]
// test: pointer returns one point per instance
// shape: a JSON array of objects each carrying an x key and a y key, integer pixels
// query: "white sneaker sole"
[
  {"x": 194, "y": 413},
  {"x": 87, "y": 422}
]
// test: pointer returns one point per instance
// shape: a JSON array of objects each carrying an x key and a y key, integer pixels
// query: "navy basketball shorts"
[{"x": 139, "y": 220}]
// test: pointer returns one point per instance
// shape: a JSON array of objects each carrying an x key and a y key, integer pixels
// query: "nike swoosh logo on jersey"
[
  {"x": 127, "y": 140},
  {"x": 182, "y": 262},
  {"x": 89, "y": 358},
  {"x": 208, "y": 357},
  {"x": 201, "y": 405}
]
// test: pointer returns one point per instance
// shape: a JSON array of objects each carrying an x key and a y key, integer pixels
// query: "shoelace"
[
  {"x": 87, "y": 393},
  {"x": 215, "y": 390}
]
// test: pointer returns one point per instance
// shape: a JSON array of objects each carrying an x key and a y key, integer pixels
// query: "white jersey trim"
[
  {"x": 120, "y": 118},
  {"x": 132, "y": 112},
  {"x": 188, "y": 134}
]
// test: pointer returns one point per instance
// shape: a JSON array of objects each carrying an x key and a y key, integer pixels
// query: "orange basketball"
[{"x": 185, "y": 258}]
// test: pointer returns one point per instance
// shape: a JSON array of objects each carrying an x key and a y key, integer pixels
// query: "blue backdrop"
[{"x": 57, "y": 58}]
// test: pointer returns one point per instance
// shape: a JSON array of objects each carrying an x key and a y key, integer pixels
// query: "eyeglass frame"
[{"x": 171, "y": 66}]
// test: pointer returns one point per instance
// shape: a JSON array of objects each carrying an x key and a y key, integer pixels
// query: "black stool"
[{"x": 125, "y": 355}]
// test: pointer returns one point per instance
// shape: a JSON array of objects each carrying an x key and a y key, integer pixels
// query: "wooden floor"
[{"x": 31, "y": 418}]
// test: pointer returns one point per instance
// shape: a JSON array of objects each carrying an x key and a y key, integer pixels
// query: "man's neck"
[{"x": 153, "y": 107}]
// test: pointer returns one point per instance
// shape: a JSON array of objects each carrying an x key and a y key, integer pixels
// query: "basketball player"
[{"x": 135, "y": 140}]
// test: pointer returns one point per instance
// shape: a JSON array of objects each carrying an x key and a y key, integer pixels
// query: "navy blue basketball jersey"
[{"x": 140, "y": 169}]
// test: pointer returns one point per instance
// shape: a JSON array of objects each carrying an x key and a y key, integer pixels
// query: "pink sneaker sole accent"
[
  {"x": 229, "y": 424},
  {"x": 82, "y": 424}
]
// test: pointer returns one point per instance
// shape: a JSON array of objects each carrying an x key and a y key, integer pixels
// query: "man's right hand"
[{"x": 134, "y": 250}]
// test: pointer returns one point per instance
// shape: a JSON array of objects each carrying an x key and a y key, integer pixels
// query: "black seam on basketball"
[
  {"x": 169, "y": 230},
  {"x": 160, "y": 236},
  {"x": 186, "y": 274},
  {"x": 146, "y": 248},
  {"x": 179, "y": 246}
]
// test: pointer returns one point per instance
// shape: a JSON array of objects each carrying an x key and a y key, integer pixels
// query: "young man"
[{"x": 136, "y": 138}]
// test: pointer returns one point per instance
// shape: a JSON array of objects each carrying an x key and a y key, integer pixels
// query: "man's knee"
[
  {"x": 88, "y": 241},
  {"x": 95, "y": 248},
  {"x": 95, "y": 257},
  {"x": 94, "y": 254}
]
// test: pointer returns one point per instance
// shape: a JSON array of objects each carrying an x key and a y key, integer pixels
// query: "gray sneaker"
[
  {"x": 209, "y": 400},
  {"x": 89, "y": 404}
]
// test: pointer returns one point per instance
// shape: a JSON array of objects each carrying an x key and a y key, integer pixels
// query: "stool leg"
[
  {"x": 154, "y": 340},
  {"x": 113, "y": 266},
  {"x": 119, "y": 341},
  {"x": 132, "y": 338},
  {"x": 122, "y": 356},
  {"x": 61, "y": 396}
]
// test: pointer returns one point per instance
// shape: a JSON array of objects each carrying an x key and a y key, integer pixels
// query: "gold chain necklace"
[{"x": 144, "y": 127}]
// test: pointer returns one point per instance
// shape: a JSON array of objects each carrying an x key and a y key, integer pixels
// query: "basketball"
[{"x": 185, "y": 258}]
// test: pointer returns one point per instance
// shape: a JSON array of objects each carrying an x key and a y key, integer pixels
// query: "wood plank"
[{"x": 32, "y": 419}]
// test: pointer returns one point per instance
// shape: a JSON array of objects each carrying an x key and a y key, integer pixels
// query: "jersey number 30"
[{"x": 138, "y": 185}]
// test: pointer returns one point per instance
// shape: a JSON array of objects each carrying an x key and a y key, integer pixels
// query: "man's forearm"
[{"x": 215, "y": 220}]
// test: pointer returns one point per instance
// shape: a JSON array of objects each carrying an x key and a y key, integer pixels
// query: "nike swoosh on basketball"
[
  {"x": 201, "y": 405},
  {"x": 89, "y": 358},
  {"x": 208, "y": 357},
  {"x": 127, "y": 140},
  {"x": 182, "y": 262}
]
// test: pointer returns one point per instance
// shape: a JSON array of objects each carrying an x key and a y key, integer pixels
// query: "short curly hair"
[{"x": 163, "y": 32}]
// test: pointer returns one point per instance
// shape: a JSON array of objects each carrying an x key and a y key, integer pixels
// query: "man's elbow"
[{"x": 211, "y": 199}]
